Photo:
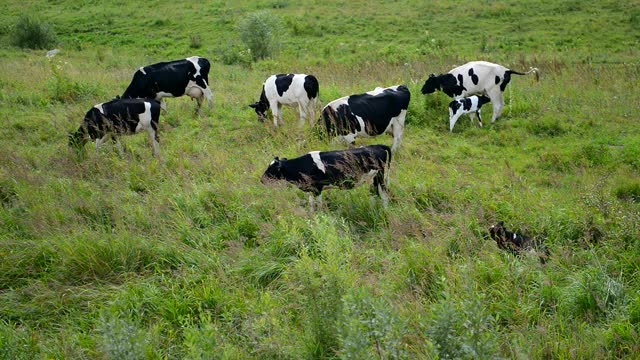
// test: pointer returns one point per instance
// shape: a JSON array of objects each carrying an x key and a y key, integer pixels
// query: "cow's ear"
[{"x": 431, "y": 76}]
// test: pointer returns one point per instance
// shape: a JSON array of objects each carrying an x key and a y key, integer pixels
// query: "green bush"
[
  {"x": 592, "y": 294},
  {"x": 258, "y": 31},
  {"x": 369, "y": 328},
  {"x": 32, "y": 33},
  {"x": 235, "y": 54}
]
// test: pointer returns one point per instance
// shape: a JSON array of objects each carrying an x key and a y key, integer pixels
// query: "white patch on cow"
[
  {"x": 142, "y": 70},
  {"x": 145, "y": 118},
  {"x": 315, "y": 155},
  {"x": 194, "y": 61},
  {"x": 514, "y": 236},
  {"x": 100, "y": 108}
]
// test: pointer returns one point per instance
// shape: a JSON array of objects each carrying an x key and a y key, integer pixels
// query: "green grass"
[{"x": 190, "y": 256}]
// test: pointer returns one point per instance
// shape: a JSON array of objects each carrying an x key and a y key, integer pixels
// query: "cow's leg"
[
  {"x": 497, "y": 102},
  {"x": 398, "y": 129},
  {"x": 452, "y": 120},
  {"x": 315, "y": 201},
  {"x": 311, "y": 111},
  {"x": 163, "y": 105},
  {"x": 303, "y": 112},
  {"x": 155, "y": 139},
  {"x": 275, "y": 111},
  {"x": 380, "y": 188},
  {"x": 479, "y": 118},
  {"x": 100, "y": 141},
  {"x": 199, "y": 101}
]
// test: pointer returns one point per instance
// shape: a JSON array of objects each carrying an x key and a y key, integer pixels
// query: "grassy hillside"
[{"x": 190, "y": 256}]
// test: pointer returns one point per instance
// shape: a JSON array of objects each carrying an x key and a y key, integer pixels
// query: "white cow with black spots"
[
  {"x": 470, "y": 105},
  {"x": 287, "y": 89},
  {"x": 475, "y": 78}
]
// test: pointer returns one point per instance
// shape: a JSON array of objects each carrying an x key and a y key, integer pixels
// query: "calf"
[
  {"x": 470, "y": 105},
  {"x": 476, "y": 77},
  {"x": 119, "y": 117},
  {"x": 516, "y": 243},
  {"x": 172, "y": 79},
  {"x": 382, "y": 110},
  {"x": 287, "y": 89},
  {"x": 344, "y": 169}
]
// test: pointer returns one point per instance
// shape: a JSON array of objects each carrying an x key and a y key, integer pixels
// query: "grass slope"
[{"x": 189, "y": 256}]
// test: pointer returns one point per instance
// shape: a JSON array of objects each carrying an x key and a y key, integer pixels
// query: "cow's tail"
[{"x": 535, "y": 71}]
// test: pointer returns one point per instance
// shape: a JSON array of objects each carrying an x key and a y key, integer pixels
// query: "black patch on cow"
[
  {"x": 482, "y": 99},
  {"x": 340, "y": 121},
  {"x": 311, "y": 86},
  {"x": 466, "y": 104},
  {"x": 377, "y": 110},
  {"x": 450, "y": 85},
  {"x": 497, "y": 79},
  {"x": 169, "y": 77},
  {"x": 516, "y": 243},
  {"x": 454, "y": 106},
  {"x": 283, "y": 82},
  {"x": 505, "y": 82},
  {"x": 342, "y": 169},
  {"x": 474, "y": 77}
]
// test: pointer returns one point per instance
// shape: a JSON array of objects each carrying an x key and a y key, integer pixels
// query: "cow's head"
[
  {"x": 274, "y": 171},
  {"x": 483, "y": 99},
  {"x": 498, "y": 233},
  {"x": 431, "y": 85},
  {"x": 261, "y": 110}
]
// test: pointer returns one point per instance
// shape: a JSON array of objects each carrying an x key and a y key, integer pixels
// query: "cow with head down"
[
  {"x": 172, "y": 79},
  {"x": 287, "y": 89},
  {"x": 118, "y": 117},
  {"x": 374, "y": 113},
  {"x": 475, "y": 78}
]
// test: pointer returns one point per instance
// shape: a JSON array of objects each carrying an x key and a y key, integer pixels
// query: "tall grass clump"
[
  {"x": 258, "y": 31},
  {"x": 369, "y": 328},
  {"x": 121, "y": 340},
  {"x": 32, "y": 33}
]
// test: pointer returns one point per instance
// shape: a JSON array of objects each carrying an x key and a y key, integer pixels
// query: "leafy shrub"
[
  {"x": 595, "y": 154},
  {"x": 121, "y": 340},
  {"x": 628, "y": 191},
  {"x": 195, "y": 42},
  {"x": 592, "y": 294},
  {"x": 259, "y": 32},
  {"x": 235, "y": 54},
  {"x": 369, "y": 328},
  {"x": 32, "y": 33},
  {"x": 463, "y": 331},
  {"x": 65, "y": 90}
]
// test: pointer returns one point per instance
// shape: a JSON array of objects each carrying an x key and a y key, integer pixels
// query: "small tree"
[
  {"x": 32, "y": 33},
  {"x": 258, "y": 31}
]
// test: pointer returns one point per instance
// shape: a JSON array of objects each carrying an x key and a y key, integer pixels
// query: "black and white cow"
[
  {"x": 172, "y": 79},
  {"x": 287, "y": 89},
  {"x": 516, "y": 243},
  {"x": 475, "y": 78},
  {"x": 376, "y": 112},
  {"x": 119, "y": 117},
  {"x": 344, "y": 169},
  {"x": 470, "y": 105}
]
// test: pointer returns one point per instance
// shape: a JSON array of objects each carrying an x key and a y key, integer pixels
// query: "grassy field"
[{"x": 189, "y": 256}]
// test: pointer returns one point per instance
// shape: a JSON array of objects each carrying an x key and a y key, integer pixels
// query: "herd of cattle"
[{"x": 382, "y": 110}]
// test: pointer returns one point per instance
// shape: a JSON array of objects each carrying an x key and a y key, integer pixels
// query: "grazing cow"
[
  {"x": 344, "y": 169},
  {"x": 172, "y": 79},
  {"x": 476, "y": 77},
  {"x": 382, "y": 110},
  {"x": 470, "y": 105},
  {"x": 119, "y": 117},
  {"x": 516, "y": 243},
  {"x": 287, "y": 89}
]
